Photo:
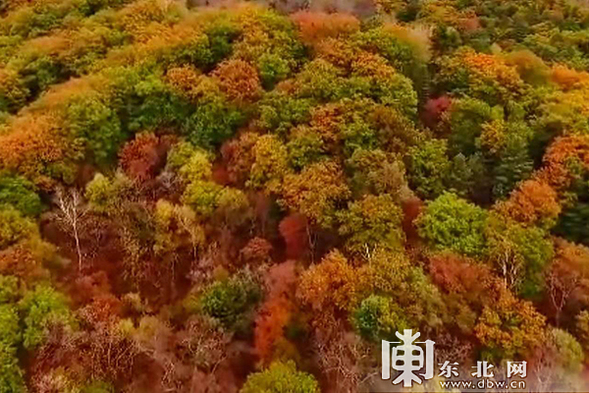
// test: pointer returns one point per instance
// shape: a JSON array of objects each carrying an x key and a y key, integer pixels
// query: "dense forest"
[{"x": 249, "y": 197}]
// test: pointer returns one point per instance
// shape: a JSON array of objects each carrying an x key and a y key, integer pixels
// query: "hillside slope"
[{"x": 239, "y": 196}]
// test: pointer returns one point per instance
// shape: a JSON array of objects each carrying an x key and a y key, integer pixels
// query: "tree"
[
  {"x": 563, "y": 159},
  {"x": 196, "y": 161},
  {"x": 468, "y": 177},
  {"x": 305, "y": 146},
  {"x": 97, "y": 123},
  {"x": 374, "y": 221},
  {"x": 9, "y": 289},
  {"x": 34, "y": 146},
  {"x": 515, "y": 166},
  {"x": 532, "y": 203},
  {"x": 229, "y": 299},
  {"x": 294, "y": 230},
  {"x": 14, "y": 227},
  {"x": 417, "y": 296},
  {"x": 239, "y": 156},
  {"x": 256, "y": 252},
  {"x": 11, "y": 376},
  {"x": 530, "y": 67},
  {"x": 176, "y": 226},
  {"x": 143, "y": 156},
  {"x": 205, "y": 341},
  {"x": 10, "y": 323},
  {"x": 70, "y": 214},
  {"x": 270, "y": 324},
  {"x": 202, "y": 196},
  {"x": 571, "y": 222},
  {"x": 458, "y": 274},
  {"x": 270, "y": 164},
  {"x": 13, "y": 93},
  {"x": 466, "y": 285},
  {"x": 562, "y": 112},
  {"x": 428, "y": 167},
  {"x": 279, "y": 112},
  {"x": 238, "y": 80},
  {"x": 107, "y": 195},
  {"x": 42, "y": 307},
  {"x": 567, "y": 279},
  {"x": 581, "y": 328},
  {"x": 376, "y": 172},
  {"x": 233, "y": 207},
  {"x": 195, "y": 167},
  {"x": 322, "y": 81},
  {"x": 406, "y": 49},
  {"x": 358, "y": 134},
  {"x": 377, "y": 318},
  {"x": 281, "y": 378},
  {"x": 556, "y": 364},
  {"x": 276, "y": 312},
  {"x": 452, "y": 223},
  {"x": 316, "y": 26},
  {"x": 412, "y": 208},
  {"x": 273, "y": 68},
  {"x": 110, "y": 351},
  {"x": 213, "y": 122},
  {"x": 434, "y": 109},
  {"x": 27, "y": 259},
  {"x": 333, "y": 284},
  {"x": 344, "y": 358},
  {"x": 484, "y": 76},
  {"x": 20, "y": 193},
  {"x": 465, "y": 119},
  {"x": 519, "y": 254},
  {"x": 509, "y": 327},
  {"x": 569, "y": 354},
  {"x": 316, "y": 192},
  {"x": 566, "y": 77}
]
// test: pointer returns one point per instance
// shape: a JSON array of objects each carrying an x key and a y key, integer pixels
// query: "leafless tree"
[
  {"x": 560, "y": 288},
  {"x": 343, "y": 357},
  {"x": 188, "y": 221},
  {"x": 71, "y": 209},
  {"x": 508, "y": 264},
  {"x": 543, "y": 370}
]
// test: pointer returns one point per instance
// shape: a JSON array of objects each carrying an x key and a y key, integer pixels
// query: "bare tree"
[
  {"x": 71, "y": 210},
  {"x": 188, "y": 221},
  {"x": 342, "y": 356},
  {"x": 560, "y": 288},
  {"x": 508, "y": 263}
]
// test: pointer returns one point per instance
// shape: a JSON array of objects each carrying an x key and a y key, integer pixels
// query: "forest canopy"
[{"x": 249, "y": 197}]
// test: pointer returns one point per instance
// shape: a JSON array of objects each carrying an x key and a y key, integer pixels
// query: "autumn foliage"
[
  {"x": 533, "y": 202},
  {"x": 250, "y": 197},
  {"x": 142, "y": 157},
  {"x": 238, "y": 80}
]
